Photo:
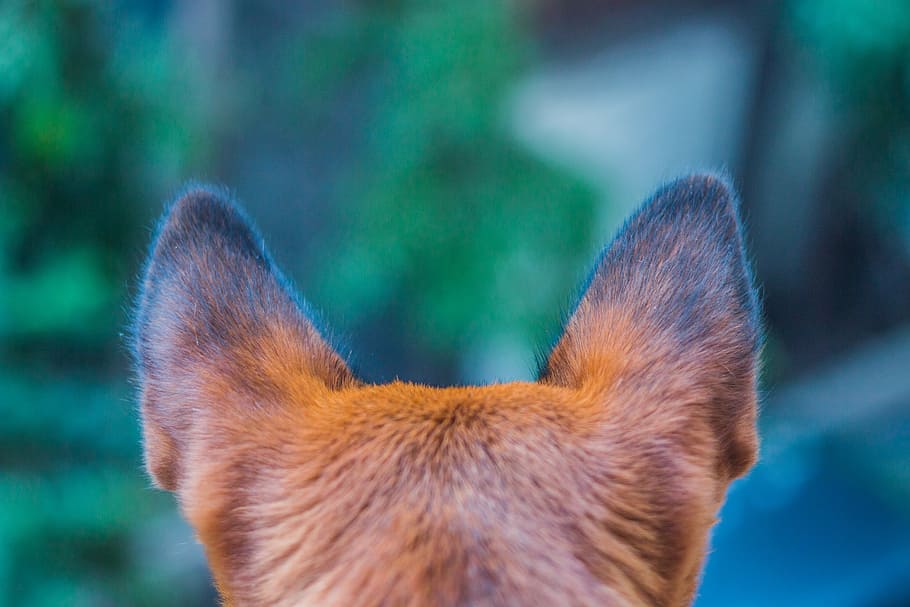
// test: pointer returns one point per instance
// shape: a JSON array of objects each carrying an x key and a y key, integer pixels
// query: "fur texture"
[{"x": 596, "y": 485}]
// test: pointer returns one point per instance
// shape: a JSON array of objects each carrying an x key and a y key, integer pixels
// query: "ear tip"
[
  {"x": 703, "y": 201},
  {"x": 199, "y": 200},
  {"x": 206, "y": 209},
  {"x": 707, "y": 190},
  {"x": 200, "y": 216},
  {"x": 707, "y": 202},
  {"x": 715, "y": 194},
  {"x": 720, "y": 178}
]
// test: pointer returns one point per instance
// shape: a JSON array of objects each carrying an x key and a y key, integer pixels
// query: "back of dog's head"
[{"x": 597, "y": 484}]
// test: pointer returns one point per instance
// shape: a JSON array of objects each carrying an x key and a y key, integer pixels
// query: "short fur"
[{"x": 596, "y": 485}]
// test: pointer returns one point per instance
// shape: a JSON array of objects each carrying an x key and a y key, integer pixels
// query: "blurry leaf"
[
  {"x": 96, "y": 121},
  {"x": 456, "y": 228},
  {"x": 863, "y": 51},
  {"x": 21, "y": 47},
  {"x": 48, "y": 417},
  {"x": 56, "y": 131},
  {"x": 70, "y": 293}
]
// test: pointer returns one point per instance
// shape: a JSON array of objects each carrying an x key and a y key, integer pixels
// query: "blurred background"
[{"x": 437, "y": 178}]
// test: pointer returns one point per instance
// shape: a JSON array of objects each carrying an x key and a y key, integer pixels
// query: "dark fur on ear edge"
[
  {"x": 213, "y": 306},
  {"x": 672, "y": 296},
  {"x": 252, "y": 239}
]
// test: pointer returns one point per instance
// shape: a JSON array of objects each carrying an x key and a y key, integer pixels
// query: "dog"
[{"x": 597, "y": 484}]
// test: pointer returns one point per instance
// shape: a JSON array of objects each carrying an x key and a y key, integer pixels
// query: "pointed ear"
[
  {"x": 669, "y": 319},
  {"x": 217, "y": 328}
]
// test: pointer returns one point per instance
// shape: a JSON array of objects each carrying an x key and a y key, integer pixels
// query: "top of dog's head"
[{"x": 597, "y": 484}]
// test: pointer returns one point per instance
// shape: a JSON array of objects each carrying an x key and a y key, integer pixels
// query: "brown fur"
[{"x": 597, "y": 485}]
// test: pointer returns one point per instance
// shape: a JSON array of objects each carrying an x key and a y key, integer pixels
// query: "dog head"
[{"x": 597, "y": 484}]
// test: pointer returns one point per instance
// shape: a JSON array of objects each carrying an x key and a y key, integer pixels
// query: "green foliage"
[
  {"x": 455, "y": 227},
  {"x": 73, "y": 499},
  {"x": 863, "y": 49},
  {"x": 88, "y": 119},
  {"x": 85, "y": 113},
  {"x": 863, "y": 44}
]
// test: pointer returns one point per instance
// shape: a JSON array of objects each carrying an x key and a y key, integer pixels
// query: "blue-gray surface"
[{"x": 812, "y": 539}]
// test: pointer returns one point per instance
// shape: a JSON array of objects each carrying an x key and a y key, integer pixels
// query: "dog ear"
[
  {"x": 217, "y": 330},
  {"x": 669, "y": 320}
]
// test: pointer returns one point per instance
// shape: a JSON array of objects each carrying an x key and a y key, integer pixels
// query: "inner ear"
[
  {"x": 670, "y": 314},
  {"x": 217, "y": 326}
]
